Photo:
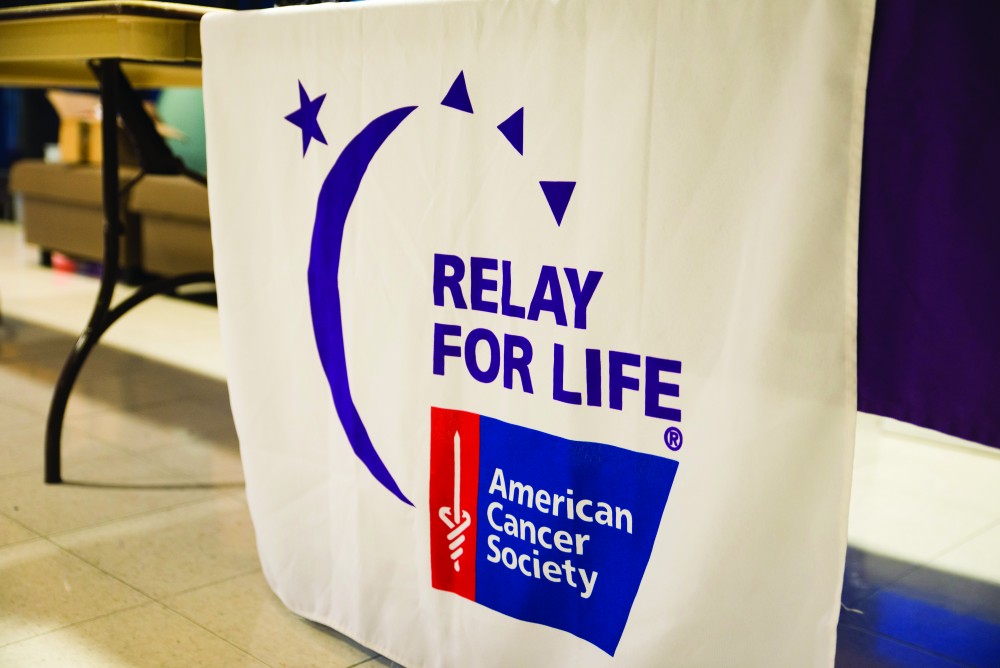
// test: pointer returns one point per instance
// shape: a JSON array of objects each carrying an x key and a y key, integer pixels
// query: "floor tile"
[
  {"x": 20, "y": 339},
  {"x": 931, "y": 436},
  {"x": 383, "y": 661},
  {"x": 866, "y": 573},
  {"x": 29, "y": 383},
  {"x": 159, "y": 425},
  {"x": 910, "y": 526},
  {"x": 202, "y": 460},
  {"x": 16, "y": 417},
  {"x": 245, "y": 612},
  {"x": 857, "y": 648},
  {"x": 935, "y": 611},
  {"x": 131, "y": 430},
  {"x": 12, "y": 532},
  {"x": 23, "y": 450},
  {"x": 32, "y": 294},
  {"x": 930, "y": 625},
  {"x": 129, "y": 381},
  {"x": 110, "y": 378},
  {"x": 19, "y": 387},
  {"x": 949, "y": 475},
  {"x": 196, "y": 347},
  {"x": 148, "y": 635},
  {"x": 172, "y": 551},
  {"x": 45, "y": 588},
  {"x": 103, "y": 488},
  {"x": 913, "y": 500},
  {"x": 978, "y": 558},
  {"x": 965, "y": 598},
  {"x": 868, "y": 430},
  {"x": 25, "y": 281}
]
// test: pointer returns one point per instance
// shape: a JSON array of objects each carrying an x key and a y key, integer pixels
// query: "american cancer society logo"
[
  {"x": 534, "y": 526},
  {"x": 548, "y": 530}
]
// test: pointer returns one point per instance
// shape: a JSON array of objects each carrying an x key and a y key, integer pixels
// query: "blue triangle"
[
  {"x": 458, "y": 95},
  {"x": 558, "y": 193},
  {"x": 513, "y": 130}
]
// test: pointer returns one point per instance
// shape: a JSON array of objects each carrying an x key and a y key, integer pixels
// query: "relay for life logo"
[{"x": 534, "y": 526}]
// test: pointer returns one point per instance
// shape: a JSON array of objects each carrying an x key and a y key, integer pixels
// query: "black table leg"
[
  {"x": 112, "y": 83},
  {"x": 107, "y": 72}
]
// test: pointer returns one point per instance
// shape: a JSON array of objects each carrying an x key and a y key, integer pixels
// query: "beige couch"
[
  {"x": 62, "y": 210},
  {"x": 166, "y": 223},
  {"x": 173, "y": 211}
]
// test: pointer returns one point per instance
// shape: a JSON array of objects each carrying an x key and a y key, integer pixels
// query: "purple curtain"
[{"x": 929, "y": 263}]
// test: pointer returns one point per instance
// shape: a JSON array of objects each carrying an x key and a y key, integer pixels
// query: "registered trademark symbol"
[{"x": 673, "y": 438}]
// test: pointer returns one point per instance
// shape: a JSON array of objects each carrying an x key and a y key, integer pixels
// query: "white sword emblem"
[{"x": 455, "y": 518}]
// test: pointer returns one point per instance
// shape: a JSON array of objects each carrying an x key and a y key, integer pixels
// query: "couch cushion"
[
  {"x": 171, "y": 196},
  {"x": 70, "y": 184}
]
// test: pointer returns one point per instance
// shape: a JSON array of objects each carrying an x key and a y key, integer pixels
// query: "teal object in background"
[{"x": 184, "y": 109}]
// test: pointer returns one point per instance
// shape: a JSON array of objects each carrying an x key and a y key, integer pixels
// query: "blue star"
[{"x": 305, "y": 118}]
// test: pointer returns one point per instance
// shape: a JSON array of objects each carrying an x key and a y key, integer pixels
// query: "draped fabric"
[
  {"x": 929, "y": 275},
  {"x": 540, "y": 321}
]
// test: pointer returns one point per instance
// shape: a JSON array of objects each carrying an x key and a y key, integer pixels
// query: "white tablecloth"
[{"x": 539, "y": 320}]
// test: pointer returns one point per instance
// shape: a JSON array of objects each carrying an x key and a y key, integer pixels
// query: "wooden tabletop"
[{"x": 50, "y": 45}]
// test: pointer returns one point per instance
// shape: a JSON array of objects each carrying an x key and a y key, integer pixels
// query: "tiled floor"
[{"x": 147, "y": 557}]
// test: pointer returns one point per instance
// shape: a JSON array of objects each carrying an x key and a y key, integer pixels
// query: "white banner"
[{"x": 539, "y": 319}]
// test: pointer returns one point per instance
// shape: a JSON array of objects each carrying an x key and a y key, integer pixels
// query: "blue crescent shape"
[{"x": 335, "y": 200}]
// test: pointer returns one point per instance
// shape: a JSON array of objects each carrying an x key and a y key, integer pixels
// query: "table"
[
  {"x": 50, "y": 45},
  {"x": 119, "y": 46}
]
